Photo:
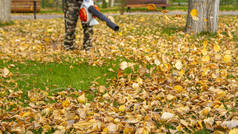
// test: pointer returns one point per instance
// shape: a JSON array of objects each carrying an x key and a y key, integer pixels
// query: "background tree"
[
  {"x": 111, "y": 3},
  {"x": 104, "y": 4},
  {"x": 202, "y": 16},
  {"x": 5, "y": 11},
  {"x": 122, "y": 6}
]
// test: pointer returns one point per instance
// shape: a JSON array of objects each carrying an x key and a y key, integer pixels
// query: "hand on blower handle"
[{"x": 89, "y": 11}]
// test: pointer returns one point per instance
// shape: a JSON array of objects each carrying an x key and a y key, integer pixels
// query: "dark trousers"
[{"x": 71, "y": 13}]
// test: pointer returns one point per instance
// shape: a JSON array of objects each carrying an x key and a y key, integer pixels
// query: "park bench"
[
  {"x": 150, "y": 4},
  {"x": 24, "y": 5}
]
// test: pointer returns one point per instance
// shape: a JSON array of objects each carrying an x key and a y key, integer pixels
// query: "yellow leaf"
[
  {"x": 194, "y": 13},
  {"x": 66, "y": 103},
  {"x": 47, "y": 39},
  {"x": 218, "y": 132},
  {"x": 142, "y": 19},
  {"x": 227, "y": 58},
  {"x": 179, "y": 128},
  {"x": 206, "y": 58},
  {"x": 200, "y": 124},
  {"x": 126, "y": 130},
  {"x": 217, "y": 48},
  {"x": 32, "y": 99},
  {"x": 164, "y": 11},
  {"x": 234, "y": 131},
  {"x": 205, "y": 71},
  {"x": 204, "y": 51},
  {"x": 142, "y": 131},
  {"x": 166, "y": 17},
  {"x": 230, "y": 34},
  {"x": 139, "y": 81},
  {"x": 105, "y": 130},
  {"x": 151, "y": 7},
  {"x": 50, "y": 30},
  {"x": 120, "y": 33},
  {"x": 26, "y": 114},
  {"x": 117, "y": 120},
  {"x": 221, "y": 94},
  {"x": 205, "y": 111},
  {"x": 178, "y": 88},
  {"x": 181, "y": 73},
  {"x": 224, "y": 73},
  {"x": 205, "y": 43},
  {"x": 82, "y": 98},
  {"x": 122, "y": 108}
]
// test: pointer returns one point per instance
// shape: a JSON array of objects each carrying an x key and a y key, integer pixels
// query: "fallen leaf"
[
  {"x": 178, "y": 88},
  {"x": 194, "y": 14},
  {"x": 112, "y": 128},
  {"x": 123, "y": 65},
  {"x": 234, "y": 131},
  {"x": 179, "y": 65},
  {"x": 122, "y": 108},
  {"x": 5, "y": 72},
  {"x": 170, "y": 97},
  {"x": 230, "y": 124},
  {"x": 217, "y": 48},
  {"x": 167, "y": 116},
  {"x": 66, "y": 103},
  {"x": 227, "y": 58}
]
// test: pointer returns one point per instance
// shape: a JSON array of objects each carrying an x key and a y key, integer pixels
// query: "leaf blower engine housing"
[
  {"x": 89, "y": 12},
  {"x": 85, "y": 15}
]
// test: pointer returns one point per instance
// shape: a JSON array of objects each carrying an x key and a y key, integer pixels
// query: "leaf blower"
[{"x": 88, "y": 13}]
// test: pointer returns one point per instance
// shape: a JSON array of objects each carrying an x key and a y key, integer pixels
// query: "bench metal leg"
[{"x": 128, "y": 9}]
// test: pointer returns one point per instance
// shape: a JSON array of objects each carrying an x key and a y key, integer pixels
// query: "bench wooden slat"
[
  {"x": 24, "y": 5},
  {"x": 144, "y": 3}
]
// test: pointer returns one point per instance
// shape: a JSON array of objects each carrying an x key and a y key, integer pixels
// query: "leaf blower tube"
[{"x": 99, "y": 15}]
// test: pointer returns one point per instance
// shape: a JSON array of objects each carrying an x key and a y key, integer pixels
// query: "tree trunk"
[
  {"x": 111, "y": 3},
  {"x": 5, "y": 10},
  {"x": 202, "y": 16},
  {"x": 122, "y": 6}
]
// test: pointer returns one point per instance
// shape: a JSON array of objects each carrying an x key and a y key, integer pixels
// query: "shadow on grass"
[
  {"x": 169, "y": 30},
  {"x": 208, "y": 34}
]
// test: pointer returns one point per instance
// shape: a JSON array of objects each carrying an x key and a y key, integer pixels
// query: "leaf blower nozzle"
[{"x": 99, "y": 15}]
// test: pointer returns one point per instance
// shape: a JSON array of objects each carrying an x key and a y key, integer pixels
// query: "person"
[{"x": 71, "y": 14}]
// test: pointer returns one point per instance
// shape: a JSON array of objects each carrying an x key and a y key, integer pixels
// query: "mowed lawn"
[{"x": 150, "y": 77}]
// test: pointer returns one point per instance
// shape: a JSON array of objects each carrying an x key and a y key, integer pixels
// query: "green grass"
[
  {"x": 203, "y": 131},
  {"x": 57, "y": 77},
  {"x": 2, "y": 24},
  {"x": 50, "y": 11}
]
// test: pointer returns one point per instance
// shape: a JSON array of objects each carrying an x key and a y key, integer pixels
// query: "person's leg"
[
  {"x": 88, "y": 33},
  {"x": 71, "y": 11}
]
